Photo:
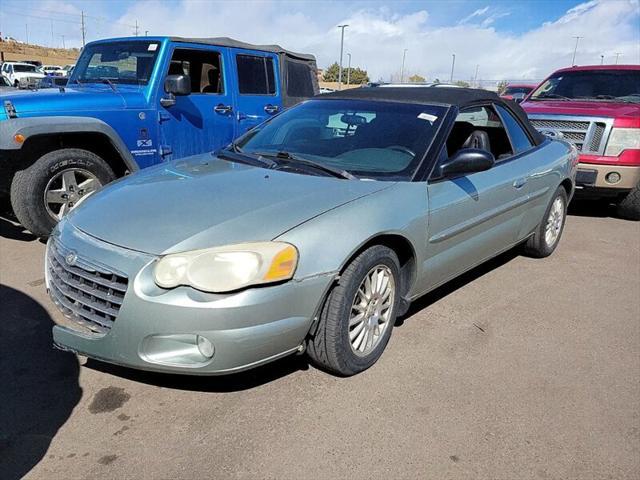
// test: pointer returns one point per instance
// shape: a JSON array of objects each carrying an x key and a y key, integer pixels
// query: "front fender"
[{"x": 36, "y": 126}]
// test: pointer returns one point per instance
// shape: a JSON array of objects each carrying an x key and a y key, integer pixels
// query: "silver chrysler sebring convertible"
[{"x": 312, "y": 232}]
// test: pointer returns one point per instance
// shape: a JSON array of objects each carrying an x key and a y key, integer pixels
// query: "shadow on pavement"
[
  {"x": 39, "y": 384},
  {"x": 592, "y": 208},
  {"x": 214, "y": 384},
  {"x": 9, "y": 226}
]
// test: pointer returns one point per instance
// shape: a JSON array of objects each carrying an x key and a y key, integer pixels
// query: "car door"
[
  {"x": 473, "y": 217},
  {"x": 258, "y": 96},
  {"x": 203, "y": 120}
]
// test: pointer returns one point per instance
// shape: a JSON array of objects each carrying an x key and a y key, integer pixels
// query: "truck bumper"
[{"x": 610, "y": 177}]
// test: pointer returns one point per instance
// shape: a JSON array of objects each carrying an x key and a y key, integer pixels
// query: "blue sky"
[{"x": 507, "y": 39}]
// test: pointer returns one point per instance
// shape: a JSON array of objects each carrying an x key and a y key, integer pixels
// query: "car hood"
[
  {"x": 73, "y": 100},
  {"x": 204, "y": 201},
  {"x": 597, "y": 109}
]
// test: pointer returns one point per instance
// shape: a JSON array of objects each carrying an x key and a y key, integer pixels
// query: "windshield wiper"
[
  {"x": 555, "y": 96},
  {"x": 235, "y": 154},
  {"x": 290, "y": 158}
]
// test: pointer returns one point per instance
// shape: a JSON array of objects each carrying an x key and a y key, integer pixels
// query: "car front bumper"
[{"x": 158, "y": 329}]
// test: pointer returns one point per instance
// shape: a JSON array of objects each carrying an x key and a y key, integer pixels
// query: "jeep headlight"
[
  {"x": 622, "y": 139},
  {"x": 228, "y": 268}
]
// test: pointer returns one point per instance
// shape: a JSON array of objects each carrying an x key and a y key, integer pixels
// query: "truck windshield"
[
  {"x": 367, "y": 139},
  {"x": 128, "y": 62},
  {"x": 24, "y": 68},
  {"x": 591, "y": 85}
]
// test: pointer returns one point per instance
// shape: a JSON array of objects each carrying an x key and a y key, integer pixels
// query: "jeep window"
[
  {"x": 299, "y": 80},
  {"x": 255, "y": 75},
  {"x": 369, "y": 139},
  {"x": 118, "y": 62},
  {"x": 24, "y": 68},
  {"x": 591, "y": 85},
  {"x": 517, "y": 135},
  {"x": 479, "y": 127},
  {"x": 204, "y": 68}
]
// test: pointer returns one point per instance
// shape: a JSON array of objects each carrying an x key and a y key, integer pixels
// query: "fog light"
[
  {"x": 205, "y": 347},
  {"x": 612, "y": 177}
]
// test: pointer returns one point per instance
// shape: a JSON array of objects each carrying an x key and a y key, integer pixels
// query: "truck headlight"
[
  {"x": 622, "y": 139},
  {"x": 228, "y": 268}
]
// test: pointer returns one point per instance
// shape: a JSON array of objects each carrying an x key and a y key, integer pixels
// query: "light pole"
[
  {"x": 146, "y": 33},
  {"x": 573, "y": 62},
  {"x": 63, "y": 45},
  {"x": 349, "y": 70},
  {"x": 601, "y": 59},
  {"x": 341, "y": 51},
  {"x": 453, "y": 64},
  {"x": 475, "y": 77},
  {"x": 617, "y": 55},
  {"x": 404, "y": 55}
]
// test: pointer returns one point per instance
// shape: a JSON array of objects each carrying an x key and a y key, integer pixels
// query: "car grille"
[
  {"x": 589, "y": 135},
  {"x": 88, "y": 295}
]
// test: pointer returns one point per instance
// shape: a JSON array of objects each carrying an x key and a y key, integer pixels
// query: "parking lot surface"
[{"x": 521, "y": 369}]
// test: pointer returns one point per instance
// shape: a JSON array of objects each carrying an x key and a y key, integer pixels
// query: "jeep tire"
[
  {"x": 629, "y": 206},
  {"x": 29, "y": 186}
]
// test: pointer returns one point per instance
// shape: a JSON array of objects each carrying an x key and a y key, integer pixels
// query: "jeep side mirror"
[
  {"x": 175, "y": 85},
  {"x": 467, "y": 160}
]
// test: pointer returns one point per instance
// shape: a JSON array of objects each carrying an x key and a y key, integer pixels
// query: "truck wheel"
[
  {"x": 55, "y": 184},
  {"x": 358, "y": 315},
  {"x": 547, "y": 235},
  {"x": 629, "y": 207}
]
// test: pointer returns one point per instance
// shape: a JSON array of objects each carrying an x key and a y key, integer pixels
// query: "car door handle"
[
  {"x": 271, "y": 109},
  {"x": 223, "y": 109},
  {"x": 519, "y": 183}
]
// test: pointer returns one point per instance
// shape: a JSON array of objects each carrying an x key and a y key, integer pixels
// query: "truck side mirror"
[{"x": 175, "y": 85}]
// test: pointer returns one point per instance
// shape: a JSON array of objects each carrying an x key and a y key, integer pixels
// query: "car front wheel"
[
  {"x": 358, "y": 316},
  {"x": 547, "y": 235}
]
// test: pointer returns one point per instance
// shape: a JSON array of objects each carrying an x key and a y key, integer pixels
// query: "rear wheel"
[
  {"x": 54, "y": 185},
  {"x": 629, "y": 207},
  {"x": 547, "y": 235},
  {"x": 358, "y": 316}
]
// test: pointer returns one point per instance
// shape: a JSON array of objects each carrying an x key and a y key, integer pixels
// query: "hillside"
[{"x": 14, "y": 51}]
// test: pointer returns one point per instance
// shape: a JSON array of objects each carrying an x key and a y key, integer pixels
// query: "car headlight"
[
  {"x": 228, "y": 268},
  {"x": 622, "y": 139}
]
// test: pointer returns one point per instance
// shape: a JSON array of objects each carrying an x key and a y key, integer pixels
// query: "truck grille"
[
  {"x": 88, "y": 295},
  {"x": 588, "y": 134}
]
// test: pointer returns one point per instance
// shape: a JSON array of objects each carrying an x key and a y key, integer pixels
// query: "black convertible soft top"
[{"x": 460, "y": 97}]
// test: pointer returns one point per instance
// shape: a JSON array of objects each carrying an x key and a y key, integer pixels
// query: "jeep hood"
[
  {"x": 204, "y": 201},
  {"x": 88, "y": 98}
]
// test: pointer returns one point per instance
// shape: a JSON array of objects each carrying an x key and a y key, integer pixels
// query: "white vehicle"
[
  {"x": 17, "y": 72},
  {"x": 419, "y": 84},
  {"x": 54, "y": 70}
]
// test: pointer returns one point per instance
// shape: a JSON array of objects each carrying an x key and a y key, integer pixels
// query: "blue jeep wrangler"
[{"x": 134, "y": 102}]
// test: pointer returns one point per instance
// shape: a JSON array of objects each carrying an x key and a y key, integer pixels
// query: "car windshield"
[
  {"x": 366, "y": 139},
  {"x": 118, "y": 62},
  {"x": 591, "y": 85},
  {"x": 514, "y": 90},
  {"x": 24, "y": 68}
]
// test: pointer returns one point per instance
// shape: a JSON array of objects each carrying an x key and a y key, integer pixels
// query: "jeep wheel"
[
  {"x": 358, "y": 316},
  {"x": 629, "y": 207},
  {"x": 55, "y": 184}
]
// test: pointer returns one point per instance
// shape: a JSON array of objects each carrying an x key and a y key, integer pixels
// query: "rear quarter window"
[
  {"x": 519, "y": 139},
  {"x": 255, "y": 75}
]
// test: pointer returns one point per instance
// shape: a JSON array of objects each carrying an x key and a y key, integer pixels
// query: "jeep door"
[
  {"x": 475, "y": 216},
  {"x": 203, "y": 120},
  {"x": 258, "y": 95}
]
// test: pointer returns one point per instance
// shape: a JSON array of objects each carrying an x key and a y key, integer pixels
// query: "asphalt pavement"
[{"x": 520, "y": 369}]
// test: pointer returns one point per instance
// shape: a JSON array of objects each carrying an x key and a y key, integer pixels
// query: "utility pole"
[
  {"x": 84, "y": 30},
  {"x": 617, "y": 55},
  {"x": 63, "y": 45},
  {"x": 453, "y": 64},
  {"x": 341, "y": 51},
  {"x": 601, "y": 59},
  {"x": 136, "y": 33},
  {"x": 475, "y": 77},
  {"x": 573, "y": 62},
  {"x": 52, "y": 40},
  {"x": 349, "y": 70},
  {"x": 404, "y": 55},
  {"x": 26, "y": 31},
  {"x": 146, "y": 32}
]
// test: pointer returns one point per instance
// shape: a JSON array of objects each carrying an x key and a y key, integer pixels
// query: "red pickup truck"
[{"x": 597, "y": 108}]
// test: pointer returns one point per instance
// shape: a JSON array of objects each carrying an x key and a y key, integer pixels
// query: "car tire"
[
  {"x": 547, "y": 234},
  {"x": 333, "y": 347},
  {"x": 28, "y": 186},
  {"x": 629, "y": 207}
]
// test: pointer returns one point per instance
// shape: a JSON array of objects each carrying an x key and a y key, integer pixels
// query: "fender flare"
[{"x": 35, "y": 126}]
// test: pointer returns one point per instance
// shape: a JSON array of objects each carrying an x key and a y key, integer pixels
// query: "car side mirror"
[
  {"x": 175, "y": 85},
  {"x": 467, "y": 160}
]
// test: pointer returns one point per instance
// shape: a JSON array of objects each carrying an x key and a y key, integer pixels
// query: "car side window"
[
  {"x": 479, "y": 127},
  {"x": 255, "y": 75},
  {"x": 518, "y": 137},
  {"x": 204, "y": 67}
]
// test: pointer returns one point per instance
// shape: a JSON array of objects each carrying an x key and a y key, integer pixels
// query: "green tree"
[
  {"x": 331, "y": 73},
  {"x": 416, "y": 78},
  {"x": 357, "y": 76},
  {"x": 502, "y": 86},
  {"x": 462, "y": 83}
]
